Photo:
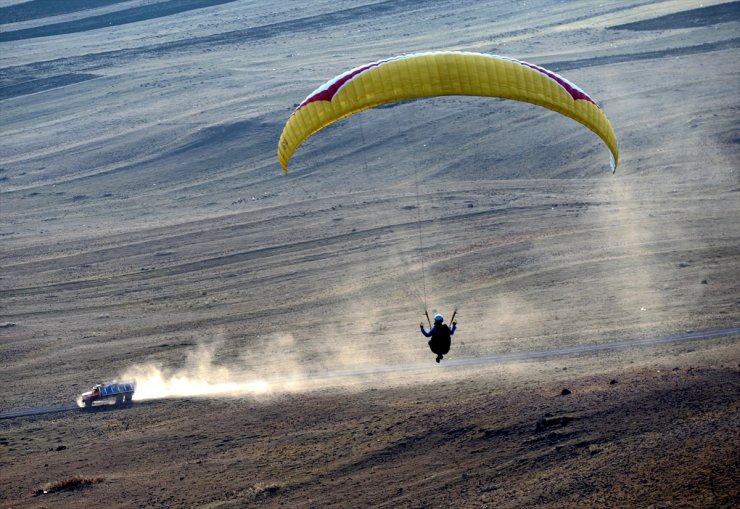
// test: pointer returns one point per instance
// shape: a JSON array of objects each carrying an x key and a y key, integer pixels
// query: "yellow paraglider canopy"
[{"x": 436, "y": 74}]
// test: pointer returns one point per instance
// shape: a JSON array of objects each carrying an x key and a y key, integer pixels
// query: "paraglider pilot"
[{"x": 441, "y": 336}]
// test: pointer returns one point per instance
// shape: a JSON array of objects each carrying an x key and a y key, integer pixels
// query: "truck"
[{"x": 120, "y": 392}]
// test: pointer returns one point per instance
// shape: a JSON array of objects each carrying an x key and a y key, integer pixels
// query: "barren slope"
[{"x": 146, "y": 228}]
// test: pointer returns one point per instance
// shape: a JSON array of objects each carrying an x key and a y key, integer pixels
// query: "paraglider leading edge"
[{"x": 437, "y": 74}]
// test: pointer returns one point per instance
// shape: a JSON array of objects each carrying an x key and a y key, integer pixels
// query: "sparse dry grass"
[
  {"x": 73, "y": 483},
  {"x": 263, "y": 490}
]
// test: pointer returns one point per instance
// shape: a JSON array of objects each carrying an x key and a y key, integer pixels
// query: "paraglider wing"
[{"x": 436, "y": 74}]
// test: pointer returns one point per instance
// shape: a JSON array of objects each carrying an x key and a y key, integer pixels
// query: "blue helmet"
[{"x": 439, "y": 318}]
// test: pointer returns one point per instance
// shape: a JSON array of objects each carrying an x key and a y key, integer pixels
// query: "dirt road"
[{"x": 448, "y": 364}]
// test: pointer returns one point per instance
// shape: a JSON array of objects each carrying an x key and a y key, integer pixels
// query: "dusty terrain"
[{"x": 272, "y": 321}]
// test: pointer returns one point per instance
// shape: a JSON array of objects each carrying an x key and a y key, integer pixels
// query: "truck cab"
[{"x": 120, "y": 392}]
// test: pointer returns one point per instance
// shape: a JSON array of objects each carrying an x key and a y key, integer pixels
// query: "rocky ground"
[{"x": 637, "y": 437}]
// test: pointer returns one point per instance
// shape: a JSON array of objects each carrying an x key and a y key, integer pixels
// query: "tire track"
[{"x": 251, "y": 255}]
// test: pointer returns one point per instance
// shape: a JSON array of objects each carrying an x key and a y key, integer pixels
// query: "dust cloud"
[
  {"x": 278, "y": 364},
  {"x": 202, "y": 375},
  {"x": 362, "y": 342}
]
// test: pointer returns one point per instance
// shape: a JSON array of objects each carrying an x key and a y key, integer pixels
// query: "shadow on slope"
[
  {"x": 700, "y": 17},
  {"x": 38, "y": 9},
  {"x": 123, "y": 17}
]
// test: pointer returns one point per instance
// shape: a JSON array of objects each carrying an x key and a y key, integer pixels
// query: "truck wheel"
[
  {"x": 119, "y": 399},
  {"x": 128, "y": 397},
  {"x": 88, "y": 403}
]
